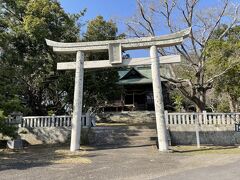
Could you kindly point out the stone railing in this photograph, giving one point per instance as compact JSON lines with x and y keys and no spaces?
{"x":204,"y":128}
{"x":50,"y":121}
{"x":203,"y":118}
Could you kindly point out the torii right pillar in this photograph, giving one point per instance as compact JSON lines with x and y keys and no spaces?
{"x":158,"y":101}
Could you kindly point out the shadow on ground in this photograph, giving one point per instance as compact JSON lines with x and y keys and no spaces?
{"x":105,"y":147}
{"x":46,"y":155}
{"x":41,"y":155}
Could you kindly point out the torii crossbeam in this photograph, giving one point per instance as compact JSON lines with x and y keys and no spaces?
{"x":115,"y":48}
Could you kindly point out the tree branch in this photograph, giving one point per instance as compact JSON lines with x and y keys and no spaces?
{"x":151,"y":30}
{"x":232,"y":24}
{"x":217,"y":21}
{"x":222,"y":73}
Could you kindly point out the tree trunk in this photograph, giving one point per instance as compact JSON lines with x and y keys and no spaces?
{"x":198,"y":98}
{"x":200,"y":107}
{"x":200,"y":101}
{"x":233,"y":103}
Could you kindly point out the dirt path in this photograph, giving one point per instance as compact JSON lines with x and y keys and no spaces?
{"x":56,"y":162}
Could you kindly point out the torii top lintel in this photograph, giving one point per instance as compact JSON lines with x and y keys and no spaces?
{"x":126,"y":44}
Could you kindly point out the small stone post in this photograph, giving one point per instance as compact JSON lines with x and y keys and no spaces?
{"x":53,"y":123}
{"x":21,"y":122}
{"x":166,"y":117}
{"x":77,"y":103}
{"x":205,"y":120}
{"x":88,"y":118}
{"x":158,"y":101}
{"x":197,"y":130}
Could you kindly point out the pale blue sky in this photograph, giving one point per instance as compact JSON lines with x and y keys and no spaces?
{"x":110,"y":9}
{"x":118,"y":10}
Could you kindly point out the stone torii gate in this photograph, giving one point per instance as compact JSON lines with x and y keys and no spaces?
{"x":114,"y":48}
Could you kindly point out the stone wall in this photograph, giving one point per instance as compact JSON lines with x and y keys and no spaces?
{"x":50,"y":135}
{"x":184,"y":134}
{"x":180,"y":135}
{"x":209,"y":134}
{"x":45,"y":135}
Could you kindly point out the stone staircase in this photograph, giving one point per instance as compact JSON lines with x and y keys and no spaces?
{"x":132,"y":135}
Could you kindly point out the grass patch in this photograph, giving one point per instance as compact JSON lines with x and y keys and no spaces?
{"x":67,"y":157}
{"x":44,"y":154}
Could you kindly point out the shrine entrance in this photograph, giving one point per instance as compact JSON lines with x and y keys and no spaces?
{"x":115,"y":48}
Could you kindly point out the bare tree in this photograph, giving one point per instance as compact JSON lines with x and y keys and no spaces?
{"x":168,"y":16}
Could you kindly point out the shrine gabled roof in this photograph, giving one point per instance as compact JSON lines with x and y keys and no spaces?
{"x":145,"y":78}
{"x":122,"y":73}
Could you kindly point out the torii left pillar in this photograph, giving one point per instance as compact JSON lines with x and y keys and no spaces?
{"x":77,"y":102}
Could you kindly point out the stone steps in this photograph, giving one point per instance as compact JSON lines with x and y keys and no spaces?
{"x":129,"y":127}
{"x":127,"y":133}
{"x":123,"y":135}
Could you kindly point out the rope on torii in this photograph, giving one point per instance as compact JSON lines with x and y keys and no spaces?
{"x":115,"y":48}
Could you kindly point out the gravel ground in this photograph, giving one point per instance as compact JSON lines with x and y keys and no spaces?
{"x":56,"y":162}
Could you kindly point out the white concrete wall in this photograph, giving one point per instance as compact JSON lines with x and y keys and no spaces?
{"x":209,"y":134}
{"x":45,"y":135}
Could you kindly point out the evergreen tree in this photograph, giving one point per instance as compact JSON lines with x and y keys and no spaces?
{"x":28,"y":76}
{"x":100,"y":85}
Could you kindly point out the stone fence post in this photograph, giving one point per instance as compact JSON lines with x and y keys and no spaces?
{"x":53,"y":121}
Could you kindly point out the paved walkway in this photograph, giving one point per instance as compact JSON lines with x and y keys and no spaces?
{"x":117,"y":163}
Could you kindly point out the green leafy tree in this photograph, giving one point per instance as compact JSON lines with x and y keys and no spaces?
{"x":224,"y":56}
{"x":27,"y":66}
{"x":100,"y":85}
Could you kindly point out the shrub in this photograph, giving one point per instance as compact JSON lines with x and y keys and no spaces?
{"x":7,"y":129}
